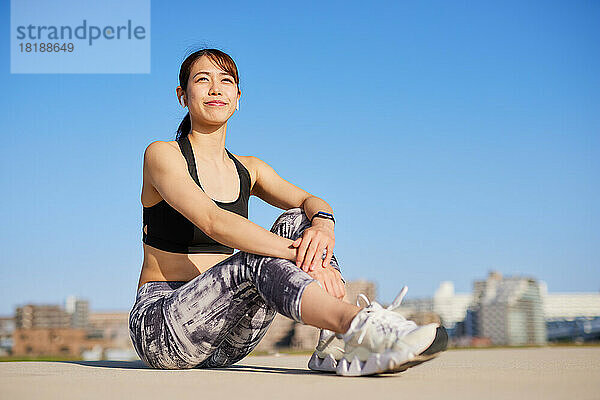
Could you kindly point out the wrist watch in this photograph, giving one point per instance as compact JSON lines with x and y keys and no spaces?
{"x":322,"y":214}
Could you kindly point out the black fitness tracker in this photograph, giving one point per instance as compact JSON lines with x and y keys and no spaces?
{"x":323,"y":214}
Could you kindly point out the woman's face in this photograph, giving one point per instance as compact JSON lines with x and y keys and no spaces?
{"x":208,"y":83}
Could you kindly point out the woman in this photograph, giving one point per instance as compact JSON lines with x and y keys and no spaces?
{"x":200,"y":305}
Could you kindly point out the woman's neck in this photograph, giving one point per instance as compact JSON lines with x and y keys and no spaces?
{"x":209,"y":145}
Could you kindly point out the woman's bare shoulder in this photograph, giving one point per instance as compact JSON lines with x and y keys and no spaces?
{"x":160,"y":143}
{"x":163,"y":153}
{"x":160,"y":146}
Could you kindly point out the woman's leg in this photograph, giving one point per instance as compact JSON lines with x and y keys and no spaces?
{"x":318,"y":308}
{"x":244,"y":336}
{"x":202,"y":314}
{"x":252,"y":327}
{"x":151,"y":339}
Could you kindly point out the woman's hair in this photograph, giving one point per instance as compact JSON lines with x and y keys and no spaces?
{"x":223,"y":60}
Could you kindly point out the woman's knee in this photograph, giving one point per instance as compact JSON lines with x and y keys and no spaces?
{"x":291,"y":223}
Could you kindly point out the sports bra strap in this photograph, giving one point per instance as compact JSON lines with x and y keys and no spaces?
{"x":186,"y":149}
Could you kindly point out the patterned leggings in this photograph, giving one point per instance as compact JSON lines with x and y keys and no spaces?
{"x":219,"y":317}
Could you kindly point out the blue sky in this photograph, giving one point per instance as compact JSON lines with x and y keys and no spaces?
{"x":449,"y":138}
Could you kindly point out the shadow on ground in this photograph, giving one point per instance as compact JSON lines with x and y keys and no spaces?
{"x":138,"y":364}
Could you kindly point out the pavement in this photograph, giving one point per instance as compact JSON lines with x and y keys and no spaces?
{"x":518,"y":373}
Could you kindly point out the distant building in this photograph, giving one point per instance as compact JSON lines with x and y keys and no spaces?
{"x":51,"y":341}
{"x":451,"y":307}
{"x":41,"y":316}
{"x":409,"y":305}
{"x":571,"y":316}
{"x":78,"y":309}
{"x":113,"y":327}
{"x":107,"y":333}
{"x":7,"y":328}
{"x":447,"y":307}
{"x":42,"y":330}
{"x":558,"y":306}
{"x":509,"y":310}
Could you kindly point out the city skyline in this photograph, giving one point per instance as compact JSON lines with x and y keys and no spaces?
{"x":442,"y":285}
{"x":501,"y":310}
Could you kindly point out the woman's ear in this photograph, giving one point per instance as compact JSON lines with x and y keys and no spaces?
{"x":182,"y":101}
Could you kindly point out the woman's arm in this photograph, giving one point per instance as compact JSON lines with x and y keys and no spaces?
{"x":312,"y":205}
{"x":276,"y":191}
{"x":168,"y":174}
{"x":308,"y":257}
{"x":236,"y":231}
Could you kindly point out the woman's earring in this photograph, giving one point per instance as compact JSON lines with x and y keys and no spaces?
{"x":237,"y":107}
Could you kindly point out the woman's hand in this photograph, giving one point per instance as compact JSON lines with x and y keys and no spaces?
{"x":312,"y":243}
{"x":331,"y":280}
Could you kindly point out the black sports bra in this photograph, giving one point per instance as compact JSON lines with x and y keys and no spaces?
{"x":169,"y":230}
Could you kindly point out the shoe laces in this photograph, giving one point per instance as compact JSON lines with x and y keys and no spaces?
{"x":395,"y":304}
{"x":391,"y":324}
{"x":325,"y":338}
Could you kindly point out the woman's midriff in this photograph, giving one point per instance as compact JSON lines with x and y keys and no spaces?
{"x":159,"y":265}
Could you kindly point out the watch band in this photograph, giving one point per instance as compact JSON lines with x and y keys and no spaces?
{"x":323,"y":214}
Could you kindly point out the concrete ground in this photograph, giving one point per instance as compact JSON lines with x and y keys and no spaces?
{"x":525,"y":373}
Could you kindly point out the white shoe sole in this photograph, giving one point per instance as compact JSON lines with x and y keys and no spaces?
{"x":412,"y":362}
{"x":391,"y":360}
{"x":327,"y":364}
{"x":377,"y":363}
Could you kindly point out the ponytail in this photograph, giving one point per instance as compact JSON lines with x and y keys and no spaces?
{"x":184,"y":127}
